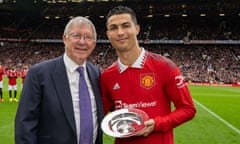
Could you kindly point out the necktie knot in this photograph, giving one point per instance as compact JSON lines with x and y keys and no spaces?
{"x":80,"y":70}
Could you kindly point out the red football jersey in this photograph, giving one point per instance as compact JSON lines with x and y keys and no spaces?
{"x":12,"y":77}
{"x":152,"y":84}
{"x":2,"y":72}
{"x":23,"y":74}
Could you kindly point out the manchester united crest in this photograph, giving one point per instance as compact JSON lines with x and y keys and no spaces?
{"x":147,"y":80}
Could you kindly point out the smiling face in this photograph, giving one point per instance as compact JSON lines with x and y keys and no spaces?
{"x":122,"y":32}
{"x":79,"y":42}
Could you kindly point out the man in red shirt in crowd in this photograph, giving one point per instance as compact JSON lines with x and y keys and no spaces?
{"x":23,"y":74}
{"x":12,"y":84}
{"x":2,"y":73}
{"x":143,"y":80}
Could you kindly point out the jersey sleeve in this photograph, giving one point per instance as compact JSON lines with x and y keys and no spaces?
{"x":176,"y":89}
{"x":106,"y":99}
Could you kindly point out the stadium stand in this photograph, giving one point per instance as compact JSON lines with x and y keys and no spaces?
{"x":207,"y":49}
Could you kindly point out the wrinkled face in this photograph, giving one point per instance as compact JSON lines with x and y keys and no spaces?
{"x":79,"y":42}
{"x":122,"y":32}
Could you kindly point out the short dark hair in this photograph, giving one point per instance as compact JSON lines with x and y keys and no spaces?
{"x":122,"y":10}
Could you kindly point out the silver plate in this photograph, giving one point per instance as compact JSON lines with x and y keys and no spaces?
{"x":124,"y":122}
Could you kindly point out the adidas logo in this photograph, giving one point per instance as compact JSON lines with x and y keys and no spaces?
{"x":116,"y":86}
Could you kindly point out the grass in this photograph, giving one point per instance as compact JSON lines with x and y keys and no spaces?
{"x":216,"y":122}
{"x":223,"y":102}
{"x":7,"y":114}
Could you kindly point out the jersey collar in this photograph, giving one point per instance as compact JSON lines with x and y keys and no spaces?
{"x":137,"y":64}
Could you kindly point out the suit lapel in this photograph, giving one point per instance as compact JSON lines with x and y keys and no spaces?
{"x":93,"y":75}
{"x":62,"y":87}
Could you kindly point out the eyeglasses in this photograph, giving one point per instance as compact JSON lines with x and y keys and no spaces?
{"x":78,"y":36}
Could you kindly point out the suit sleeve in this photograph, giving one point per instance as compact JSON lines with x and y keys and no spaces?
{"x":27,"y":116}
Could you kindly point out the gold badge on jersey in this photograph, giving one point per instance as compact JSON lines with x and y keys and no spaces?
{"x":147,"y":80}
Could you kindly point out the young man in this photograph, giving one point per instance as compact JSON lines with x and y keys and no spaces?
{"x":50,"y":106}
{"x":23,"y":74}
{"x":143,"y":80}
{"x":12,"y":75}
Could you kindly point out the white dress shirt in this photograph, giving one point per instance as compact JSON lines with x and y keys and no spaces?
{"x":73,"y":77}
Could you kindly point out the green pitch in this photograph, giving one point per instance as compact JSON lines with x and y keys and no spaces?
{"x":216,"y":122}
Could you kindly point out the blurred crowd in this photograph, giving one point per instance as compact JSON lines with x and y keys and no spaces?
{"x":217,"y":63}
{"x":198,"y":63}
{"x":200,"y":28}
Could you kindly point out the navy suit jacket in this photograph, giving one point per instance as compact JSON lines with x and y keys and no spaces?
{"x":45,"y":113}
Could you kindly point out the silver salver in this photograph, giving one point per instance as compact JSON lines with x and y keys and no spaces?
{"x":124,"y":122}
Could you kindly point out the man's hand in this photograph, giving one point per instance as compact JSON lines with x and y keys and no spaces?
{"x":149,"y":128}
